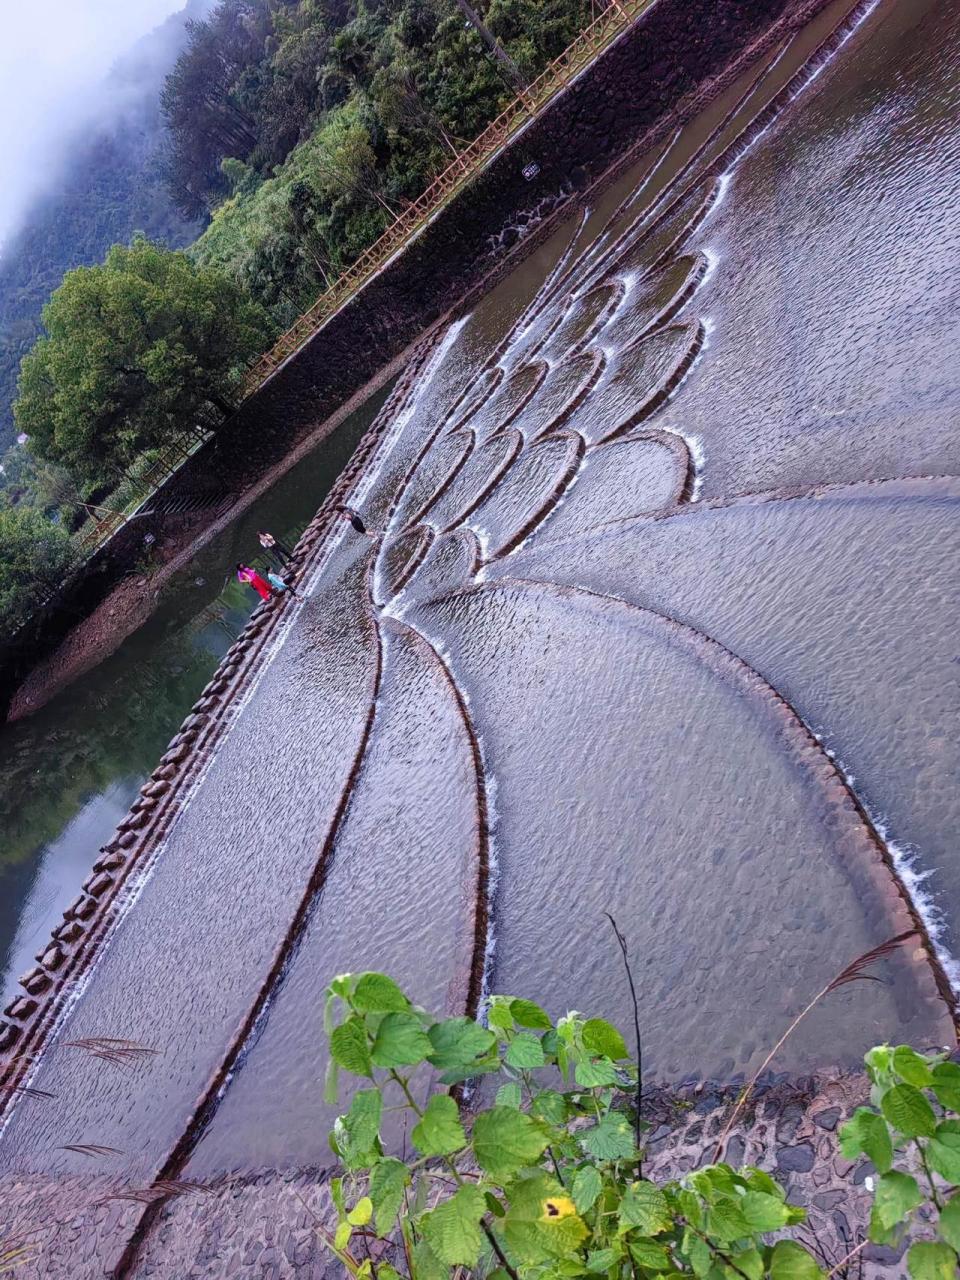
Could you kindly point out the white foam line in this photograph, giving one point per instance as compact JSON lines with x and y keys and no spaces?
{"x":370,"y":474}
{"x":713,"y":259}
{"x":543,"y":296}
{"x":811,"y":74}
{"x":723,"y":186}
{"x":913,"y":880}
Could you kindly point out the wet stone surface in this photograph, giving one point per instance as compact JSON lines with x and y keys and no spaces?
{"x":674,"y":639}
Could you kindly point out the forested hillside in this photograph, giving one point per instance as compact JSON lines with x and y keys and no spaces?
{"x":305,"y":127}
{"x":114,"y":185}
{"x":296,"y":130}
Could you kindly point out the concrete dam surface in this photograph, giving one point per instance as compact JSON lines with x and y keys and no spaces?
{"x":658,"y":617}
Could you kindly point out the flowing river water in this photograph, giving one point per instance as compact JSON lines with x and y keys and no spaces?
{"x":660,"y":620}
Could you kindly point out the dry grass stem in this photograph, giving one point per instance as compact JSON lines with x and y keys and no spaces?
{"x":843,"y":1261}
{"x":853,"y":972}
{"x":26,"y":1090}
{"x":119,"y":1053}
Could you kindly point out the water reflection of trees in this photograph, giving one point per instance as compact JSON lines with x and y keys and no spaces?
{"x":109,"y":727}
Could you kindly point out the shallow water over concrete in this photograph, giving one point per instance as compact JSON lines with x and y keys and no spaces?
{"x":656,"y":622}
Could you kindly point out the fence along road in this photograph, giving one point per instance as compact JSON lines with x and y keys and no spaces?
{"x":465,"y":166}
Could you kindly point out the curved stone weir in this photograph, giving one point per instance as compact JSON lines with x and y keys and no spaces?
{"x":840,"y":605}
{"x":433,"y":474}
{"x":669,"y":165}
{"x":475,"y":481}
{"x":699,"y":851}
{"x":42,"y":1194}
{"x":419,"y":802}
{"x":233,"y":844}
{"x":475,"y":397}
{"x":564,"y":389}
{"x":501,"y":409}
{"x":530,"y":488}
{"x":808,"y":303}
{"x":674,"y":217}
{"x":453,"y":559}
{"x":637,"y":473}
{"x":638,"y":382}
{"x":581,"y":321}
{"x":398,"y":559}
{"x":654,"y":300}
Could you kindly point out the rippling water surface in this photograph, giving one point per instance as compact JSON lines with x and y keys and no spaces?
{"x":657,"y":621}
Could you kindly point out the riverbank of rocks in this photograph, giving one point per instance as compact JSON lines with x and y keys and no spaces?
{"x":262,"y":1225}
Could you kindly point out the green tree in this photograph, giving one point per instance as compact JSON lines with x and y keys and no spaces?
{"x":133,"y":350}
{"x":35,"y":554}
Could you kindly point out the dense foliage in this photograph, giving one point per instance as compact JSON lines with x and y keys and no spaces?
{"x":111,"y":184}
{"x":133,"y":351}
{"x":547,"y":1182}
{"x":35,"y":554}
{"x":306,"y":127}
{"x":303,"y":127}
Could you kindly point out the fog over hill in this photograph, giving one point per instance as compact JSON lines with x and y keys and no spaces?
{"x":80,"y":144}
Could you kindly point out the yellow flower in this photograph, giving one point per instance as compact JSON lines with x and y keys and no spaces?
{"x":556,"y":1207}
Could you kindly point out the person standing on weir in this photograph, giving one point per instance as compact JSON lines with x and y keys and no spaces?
{"x":279,"y":550}
{"x":253,"y":579}
{"x":355,"y":520}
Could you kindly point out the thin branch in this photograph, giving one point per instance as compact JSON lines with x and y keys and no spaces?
{"x":715,"y":1248}
{"x":853,"y":972}
{"x":926,"y":1169}
{"x":843,"y":1261}
{"x":346,"y":1258}
{"x":636,"y":1025}
{"x":27,"y":1090}
{"x":495,"y":1243}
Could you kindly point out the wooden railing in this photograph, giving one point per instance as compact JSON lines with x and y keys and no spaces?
{"x":466,"y":165}
{"x":95,"y":531}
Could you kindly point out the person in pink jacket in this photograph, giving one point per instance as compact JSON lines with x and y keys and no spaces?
{"x":253,"y":579}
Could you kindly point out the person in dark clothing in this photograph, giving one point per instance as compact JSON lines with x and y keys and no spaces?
{"x":280,"y":552}
{"x":354,"y":518}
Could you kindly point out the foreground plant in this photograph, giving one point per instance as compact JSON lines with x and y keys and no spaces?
{"x":546,"y":1182}
{"x":909,"y":1124}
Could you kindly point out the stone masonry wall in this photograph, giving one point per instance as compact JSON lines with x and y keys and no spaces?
{"x":262,"y":1225}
